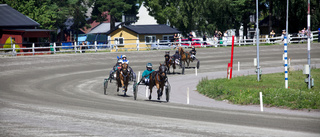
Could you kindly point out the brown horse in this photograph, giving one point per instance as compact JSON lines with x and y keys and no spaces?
{"x":158,"y":79}
{"x":123,"y":77}
{"x":169,"y":61}
{"x":185,"y":56}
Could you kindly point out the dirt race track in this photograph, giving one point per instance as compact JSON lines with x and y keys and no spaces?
{"x":62,"y":95}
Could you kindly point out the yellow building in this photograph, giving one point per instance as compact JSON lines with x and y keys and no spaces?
{"x":139,"y":37}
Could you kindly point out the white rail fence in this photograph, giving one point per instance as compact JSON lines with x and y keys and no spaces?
{"x":95,"y":47}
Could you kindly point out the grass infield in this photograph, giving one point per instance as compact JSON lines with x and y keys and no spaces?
{"x":245,"y":90}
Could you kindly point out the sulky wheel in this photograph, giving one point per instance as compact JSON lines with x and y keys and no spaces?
{"x":198,"y":64}
{"x":105,"y":85}
{"x":135,"y":90}
{"x":167,"y":88}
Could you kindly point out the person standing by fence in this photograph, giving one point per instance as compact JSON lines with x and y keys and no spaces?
{"x":272,"y":34}
{"x":204,"y":39}
{"x":225,"y":42}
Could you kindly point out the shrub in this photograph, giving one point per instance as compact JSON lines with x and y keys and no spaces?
{"x":8,"y":45}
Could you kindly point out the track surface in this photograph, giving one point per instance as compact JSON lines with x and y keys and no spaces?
{"x":62,"y":95}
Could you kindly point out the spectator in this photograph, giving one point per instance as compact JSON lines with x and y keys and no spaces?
{"x":204,"y":39}
{"x":272,"y":34}
{"x":304,"y":32}
{"x":190,"y":37}
{"x":83,"y":43}
{"x":283,"y":34}
{"x":220,"y":37}
{"x":176,"y":38}
{"x":216,"y":34}
{"x":225,"y":38}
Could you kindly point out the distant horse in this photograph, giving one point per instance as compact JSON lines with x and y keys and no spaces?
{"x":123,"y":77}
{"x":185,"y":56}
{"x":158,"y":79}
{"x":169,"y":61}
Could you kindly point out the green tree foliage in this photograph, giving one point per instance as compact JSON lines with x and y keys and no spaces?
{"x":77,"y":10}
{"x":115,"y":9}
{"x":203,"y":16}
{"x":48,"y":13}
{"x":9,"y":44}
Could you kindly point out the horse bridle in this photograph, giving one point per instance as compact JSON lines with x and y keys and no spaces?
{"x":162,"y":69}
{"x":124,"y":75}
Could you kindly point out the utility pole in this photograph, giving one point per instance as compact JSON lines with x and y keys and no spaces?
{"x":309,"y":34}
{"x":257,"y":32}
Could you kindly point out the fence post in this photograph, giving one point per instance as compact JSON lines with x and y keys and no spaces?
{"x":14,"y":50}
{"x":137,"y":42}
{"x":245,"y":40}
{"x":75,"y":47}
{"x":33,"y":48}
{"x":54,"y":48}
{"x":158,"y":44}
{"x":189,"y":43}
{"x":95,"y":45}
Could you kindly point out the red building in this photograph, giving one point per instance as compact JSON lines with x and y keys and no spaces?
{"x":21,"y":29}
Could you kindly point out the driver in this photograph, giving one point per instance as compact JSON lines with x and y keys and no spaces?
{"x":116,"y":67}
{"x":193,"y":52}
{"x":125,"y":60}
{"x":147,"y":72}
{"x":177,"y":57}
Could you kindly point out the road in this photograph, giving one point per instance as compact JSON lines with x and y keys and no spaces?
{"x":62,"y":95}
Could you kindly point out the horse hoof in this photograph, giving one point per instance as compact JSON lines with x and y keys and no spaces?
{"x":149,"y":97}
{"x":158,"y":98}
{"x":125,"y":94}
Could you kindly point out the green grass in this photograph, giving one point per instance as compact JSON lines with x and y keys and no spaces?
{"x":245,"y":90}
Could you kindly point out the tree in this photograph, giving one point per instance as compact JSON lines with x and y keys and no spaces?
{"x":115,"y":9}
{"x":49,"y":14}
{"x":77,"y":10}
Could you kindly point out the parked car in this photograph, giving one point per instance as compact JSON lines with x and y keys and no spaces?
{"x":195,"y":42}
{"x":163,"y":44}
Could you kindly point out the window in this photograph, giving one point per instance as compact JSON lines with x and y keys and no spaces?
{"x":167,"y":37}
{"x":119,"y":41}
{"x":150,"y":39}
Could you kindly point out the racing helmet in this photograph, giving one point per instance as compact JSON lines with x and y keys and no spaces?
{"x":149,"y":65}
{"x":120,"y":61}
{"x":193,"y":47}
{"x":177,"y":51}
{"x":124,"y":56}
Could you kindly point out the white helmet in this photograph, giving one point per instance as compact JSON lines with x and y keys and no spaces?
{"x":124,"y":56}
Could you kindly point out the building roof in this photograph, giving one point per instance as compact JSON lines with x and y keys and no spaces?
{"x":102,"y":28}
{"x":144,"y":17}
{"x":11,"y":18}
{"x":152,"y":29}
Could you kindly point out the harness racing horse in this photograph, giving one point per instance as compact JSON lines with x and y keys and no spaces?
{"x":123,"y":77}
{"x":169,"y":61}
{"x":158,"y":79}
{"x":185,"y":56}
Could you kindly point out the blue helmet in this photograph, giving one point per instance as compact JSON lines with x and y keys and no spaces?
{"x":177,"y":51}
{"x":149,"y":65}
